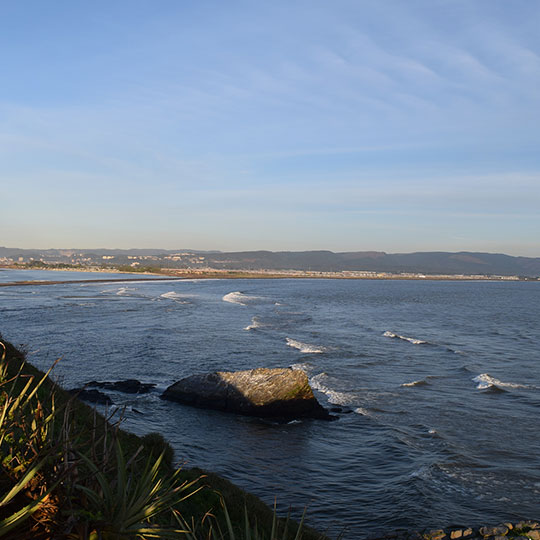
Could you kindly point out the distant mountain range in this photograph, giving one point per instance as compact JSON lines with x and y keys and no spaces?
{"x":324,"y":261}
{"x":428,"y":262}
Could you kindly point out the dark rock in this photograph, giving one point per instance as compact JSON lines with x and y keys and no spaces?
{"x":92,"y":396}
{"x":341,"y":410}
{"x":129,"y":386}
{"x":274,"y":393}
{"x":493,"y":531}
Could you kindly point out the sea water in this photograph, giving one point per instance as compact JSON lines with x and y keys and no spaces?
{"x":439,"y":381}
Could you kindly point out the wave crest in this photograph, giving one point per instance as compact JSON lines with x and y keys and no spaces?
{"x":486,"y":382}
{"x":177,"y":297}
{"x":301,"y":367}
{"x":255,"y":323}
{"x":414,"y":341}
{"x":305,"y":347}
{"x":238,"y":297}
{"x":123,"y":290}
{"x":421,"y":382}
{"x":334,"y":397}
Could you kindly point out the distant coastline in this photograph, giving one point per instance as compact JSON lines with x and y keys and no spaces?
{"x":164,"y":274}
{"x":312,"y":264}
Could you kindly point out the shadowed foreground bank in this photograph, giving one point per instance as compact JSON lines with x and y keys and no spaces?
{"x":67,"y":472}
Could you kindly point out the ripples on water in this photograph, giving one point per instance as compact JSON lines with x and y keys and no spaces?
{"x":442,"y":381}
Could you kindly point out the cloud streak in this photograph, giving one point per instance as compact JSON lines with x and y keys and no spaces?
{"x":362,"y":114}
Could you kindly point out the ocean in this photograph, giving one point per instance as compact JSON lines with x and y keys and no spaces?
{"x":439,"y":381}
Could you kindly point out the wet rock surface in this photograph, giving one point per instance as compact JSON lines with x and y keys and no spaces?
{"x":276,"y":393}
{"x":92,"y":396}
{"x":128,"y":386}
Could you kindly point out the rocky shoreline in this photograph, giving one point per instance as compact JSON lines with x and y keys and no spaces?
{"x":522,"y":530}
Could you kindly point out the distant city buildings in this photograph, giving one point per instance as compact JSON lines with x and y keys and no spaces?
{"x":251,"y":263}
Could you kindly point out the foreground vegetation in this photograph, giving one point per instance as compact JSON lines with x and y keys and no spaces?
{"x":68,"y":473}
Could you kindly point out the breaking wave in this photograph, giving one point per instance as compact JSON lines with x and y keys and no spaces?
{"x":177,"y":297}
{"x":305,"y":347}
{"x":421,"y":382}
{"x":414,"y":341}
{"x":240,"y":298}
{"x":170,"y":294}
{"x":486,"y":382}
{"x":255,"y":323}
{"x":122,"y":290}
{"x":301,"y":367}
{"x":334,"y":397}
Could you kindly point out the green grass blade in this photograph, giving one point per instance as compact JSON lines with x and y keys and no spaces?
{"x":299,"y":531}
{"x":22,"y":483}
{"x":19,"y":517}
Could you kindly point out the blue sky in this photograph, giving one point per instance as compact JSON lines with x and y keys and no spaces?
{"x":286,"y":125}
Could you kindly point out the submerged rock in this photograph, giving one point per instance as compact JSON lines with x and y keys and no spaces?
{"x":277,"y":393}
{"x":92,"y":396}
{"x":129,"y":386}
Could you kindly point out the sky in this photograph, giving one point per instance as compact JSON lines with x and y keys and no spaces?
{"x":356,"y":125}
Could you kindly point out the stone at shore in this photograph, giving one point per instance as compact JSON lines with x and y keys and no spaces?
{"x":271,"y":393}
{"x":525,"y":530}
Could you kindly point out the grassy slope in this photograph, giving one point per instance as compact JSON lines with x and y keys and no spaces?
{"x":207,"y":500}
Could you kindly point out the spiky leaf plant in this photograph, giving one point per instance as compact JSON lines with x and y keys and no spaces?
{"x":24,"y":448}
{"x":128,"y":501}
{"x":216,"y":530}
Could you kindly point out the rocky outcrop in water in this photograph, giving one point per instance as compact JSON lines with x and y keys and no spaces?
{"x":275,"y":393}
{"x":129,"y":386}
{"x":92,"y":396}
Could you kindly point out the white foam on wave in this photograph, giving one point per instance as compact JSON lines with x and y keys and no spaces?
{"x":301,"y":366}
{"x":123,"y":290}
{"x":255,"y":323}
{"x":334,"y":397}
{"x":485,"y":381}
{"x":170,"y":294}
{"x":240,"y":298}
{"x":414,"y":341}
{"x":362,"y":411}
{"x":305,"y":347}
{"x":177,"y":297}
{"x":421,"y":382}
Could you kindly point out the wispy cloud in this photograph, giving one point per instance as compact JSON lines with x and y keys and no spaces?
{"x":354,"y":114}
